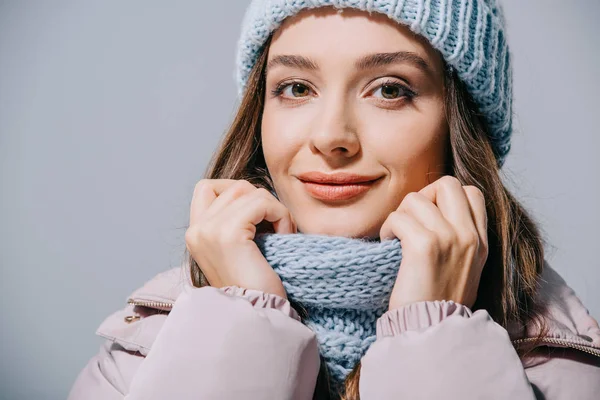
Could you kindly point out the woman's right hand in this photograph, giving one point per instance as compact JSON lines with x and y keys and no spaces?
{"x":223,"y":218}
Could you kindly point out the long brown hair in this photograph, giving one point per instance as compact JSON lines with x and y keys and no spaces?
{"x":515,"y":258}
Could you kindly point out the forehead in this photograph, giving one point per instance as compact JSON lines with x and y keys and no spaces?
{"x":363,"y":63}
{"x":325,"y":33}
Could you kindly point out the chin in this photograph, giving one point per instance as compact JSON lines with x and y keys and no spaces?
{"x":338,"y":227}
{"x":362,"y":219}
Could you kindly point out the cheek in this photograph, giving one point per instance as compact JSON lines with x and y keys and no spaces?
{"x":281,"y":134}
{"x":411,"y":143}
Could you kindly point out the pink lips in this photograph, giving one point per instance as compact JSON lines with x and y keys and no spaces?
{"x":336,"y":187}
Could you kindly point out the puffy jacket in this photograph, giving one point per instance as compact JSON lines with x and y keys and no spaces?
{"x":174,"y":341}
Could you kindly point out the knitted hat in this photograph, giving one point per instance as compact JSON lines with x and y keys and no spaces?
{"x":468,"y":33}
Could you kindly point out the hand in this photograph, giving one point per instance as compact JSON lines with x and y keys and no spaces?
{"x":443,"y":233}
{"x":223,"y":218}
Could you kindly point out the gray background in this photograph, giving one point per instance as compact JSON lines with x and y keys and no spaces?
{"x":109,"y":112}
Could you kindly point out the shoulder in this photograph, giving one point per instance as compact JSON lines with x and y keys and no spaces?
{"x":563,"y":373}
{"x":566,"y":362}
{"x":135,"y":326}
{"x":562,"y":312}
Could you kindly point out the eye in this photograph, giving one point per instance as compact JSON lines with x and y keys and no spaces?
{"x":392,"y":90}
{"x":291,"y":89}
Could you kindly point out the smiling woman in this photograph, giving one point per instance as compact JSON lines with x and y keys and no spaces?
{"x":373,"y":109}
{"x":358,"y":124}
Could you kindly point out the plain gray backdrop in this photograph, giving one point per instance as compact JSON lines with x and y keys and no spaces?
{"x":110,"y":110}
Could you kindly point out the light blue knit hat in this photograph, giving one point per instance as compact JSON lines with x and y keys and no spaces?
{"x":468,"y":33}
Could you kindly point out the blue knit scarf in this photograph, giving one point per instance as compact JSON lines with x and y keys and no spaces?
{"x":344,"y":284}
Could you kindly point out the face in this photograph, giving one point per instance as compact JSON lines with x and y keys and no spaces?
{"x":353,"y":119}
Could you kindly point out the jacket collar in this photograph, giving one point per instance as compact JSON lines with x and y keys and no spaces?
{"x":568,"y":322}
{"x":161,"y":291}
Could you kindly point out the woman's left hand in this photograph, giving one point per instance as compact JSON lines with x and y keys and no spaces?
{"x":443,"y":233}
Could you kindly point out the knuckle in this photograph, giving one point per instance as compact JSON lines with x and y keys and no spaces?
{"x":242,"y":184}
{"x":262,"y":192}
{"x":411,"y":196}
{"x":409,"y":199}
{"x":245,"y":183}
{"x":449,"y":181}
{"x":261,"y":197}
{"x":484,"y":246}
{"x":200,"y":184}
{"x":191,"y":236}
{"x":395,"y":218}
{"x":240,"y":187}
{"x":484,"y":250}
{"x":469,"y":237}
{"x":260,"y":203}
{"x":474,"y":190}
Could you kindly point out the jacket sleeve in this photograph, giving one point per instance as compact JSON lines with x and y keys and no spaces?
{"x":441,"y":349}
{"x":215,"y":343}
{"x":106,"y":375}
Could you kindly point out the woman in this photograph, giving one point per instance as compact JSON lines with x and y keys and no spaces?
{"x":358,"y":123}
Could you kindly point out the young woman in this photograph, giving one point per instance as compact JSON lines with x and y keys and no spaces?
{"x":370,"y":134}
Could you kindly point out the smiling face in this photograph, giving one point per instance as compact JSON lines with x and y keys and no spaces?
{"x":351,"y":93}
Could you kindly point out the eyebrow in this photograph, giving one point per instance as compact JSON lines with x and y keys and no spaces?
{"x":370,"y":61}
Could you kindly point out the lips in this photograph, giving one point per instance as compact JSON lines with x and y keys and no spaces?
{"x":336,"y":187}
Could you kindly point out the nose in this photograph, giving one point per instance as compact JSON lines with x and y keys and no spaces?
{"x":334,"y":134}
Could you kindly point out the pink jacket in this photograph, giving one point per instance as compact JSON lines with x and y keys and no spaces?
{"x":174,"y":341}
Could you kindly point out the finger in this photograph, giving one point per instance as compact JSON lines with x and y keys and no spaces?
{"x":227,"y":192}
{"x":476,"y":201}
{"x":203,"y":196}
{"x":402,"y":226}
{"x":448,"y":194}
{"x":260,"y":205}
{"x":220,"y":185}
{"x":427,"y":213}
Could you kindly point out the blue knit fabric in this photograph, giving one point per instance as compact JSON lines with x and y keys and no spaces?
{"x":469,"y":34}
{"x":344,"y":284}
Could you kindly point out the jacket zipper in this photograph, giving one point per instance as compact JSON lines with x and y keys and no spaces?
{"x":582,"y":346}
{"x":150,"y":304}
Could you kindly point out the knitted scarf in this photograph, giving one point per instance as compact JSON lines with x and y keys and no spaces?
{"x":344,"y":284}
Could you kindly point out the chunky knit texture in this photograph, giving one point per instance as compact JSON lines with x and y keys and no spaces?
{"x":344,"y":284}
{"x":469,"y":34}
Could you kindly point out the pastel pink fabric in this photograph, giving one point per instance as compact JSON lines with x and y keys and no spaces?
{"x":236,"y":343}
